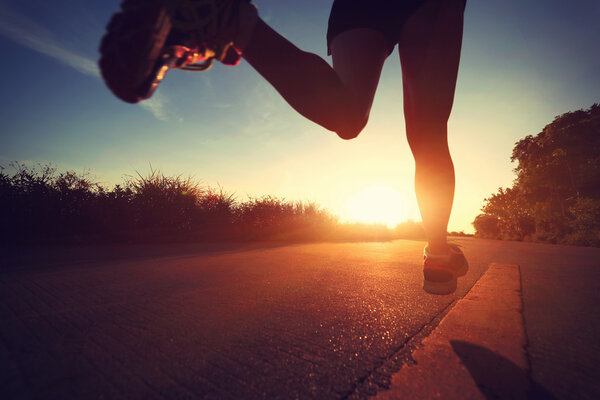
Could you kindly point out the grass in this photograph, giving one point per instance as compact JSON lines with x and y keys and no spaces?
{"x":41,"y":205}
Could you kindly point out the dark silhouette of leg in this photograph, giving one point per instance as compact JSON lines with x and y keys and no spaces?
{"x":337,"y":98}
{"x":429,"y":53}
{"x":340,"y":98}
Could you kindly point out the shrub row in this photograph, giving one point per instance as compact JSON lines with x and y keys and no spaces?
{"x":41,"y":205}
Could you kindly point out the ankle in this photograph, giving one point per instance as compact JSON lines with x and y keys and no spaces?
{"x":247,"y":19}
{"x":438,"y":248}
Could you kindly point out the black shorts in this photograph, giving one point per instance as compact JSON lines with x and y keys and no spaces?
{"x":385,"y":16}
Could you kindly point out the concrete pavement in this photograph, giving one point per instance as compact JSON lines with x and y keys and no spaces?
{"x":561,"y":304}
{"x":302,"y":321}
{"x":552,"y":354}
{"x":478,"y":349}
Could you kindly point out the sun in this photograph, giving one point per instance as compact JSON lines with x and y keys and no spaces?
{"x":376,"y":205}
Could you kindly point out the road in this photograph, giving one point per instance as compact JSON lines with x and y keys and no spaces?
{"x":297,"y":321}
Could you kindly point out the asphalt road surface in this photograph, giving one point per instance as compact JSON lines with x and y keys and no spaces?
{"x":296,"y":321}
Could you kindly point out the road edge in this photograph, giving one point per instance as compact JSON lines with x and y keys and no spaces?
{"x":478,"y":348}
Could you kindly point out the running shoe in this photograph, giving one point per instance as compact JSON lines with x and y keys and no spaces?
{"x":148,"y":37}
{"x":441,"y":272}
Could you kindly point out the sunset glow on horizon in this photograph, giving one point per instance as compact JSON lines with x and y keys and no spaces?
{"x":522,"y":64}
{"x":376,"y":205}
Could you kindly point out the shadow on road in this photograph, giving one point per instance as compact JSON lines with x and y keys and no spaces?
{"x":496,"y":376}
{"x":41,"y":257}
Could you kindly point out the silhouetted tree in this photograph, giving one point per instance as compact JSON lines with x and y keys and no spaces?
{"x":556,"y":195}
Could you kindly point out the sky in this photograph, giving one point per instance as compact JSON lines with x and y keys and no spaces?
{"x":522,"y":64}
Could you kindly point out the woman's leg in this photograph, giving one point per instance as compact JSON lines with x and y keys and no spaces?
{"x":429,"y":53}
{"x":337,"y":98}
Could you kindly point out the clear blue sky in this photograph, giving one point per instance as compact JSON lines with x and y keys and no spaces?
{"x":523,"y":63}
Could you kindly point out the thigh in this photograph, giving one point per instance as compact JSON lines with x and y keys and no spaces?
{"x":429,"y":47}
{"x":358,"y":56}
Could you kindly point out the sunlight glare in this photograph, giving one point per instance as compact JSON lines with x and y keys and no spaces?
{"x":376,"y":205}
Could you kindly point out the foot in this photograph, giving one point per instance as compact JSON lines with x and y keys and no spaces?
{"x":149,"y":37}
{"x":441,"y":271}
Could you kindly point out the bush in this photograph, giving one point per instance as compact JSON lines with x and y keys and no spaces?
{"x":40,"y":205}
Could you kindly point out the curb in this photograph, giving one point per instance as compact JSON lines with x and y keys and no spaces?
{"x":477,"y":351}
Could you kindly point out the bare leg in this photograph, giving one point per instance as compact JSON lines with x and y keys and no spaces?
{"x":337,"y":98}
{"x":429,"y":54}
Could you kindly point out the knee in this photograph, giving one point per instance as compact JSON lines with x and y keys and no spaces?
{"x":348,"y":134}
{"x":428,"y":142}
{"x":350,"y":129}
{"x":425,"y":115}
{"x":430,"y":151}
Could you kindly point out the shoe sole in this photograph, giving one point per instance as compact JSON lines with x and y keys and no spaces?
{"x":129,"y":60}
{"x":134,"y":59}
{"x":447,"y":287}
